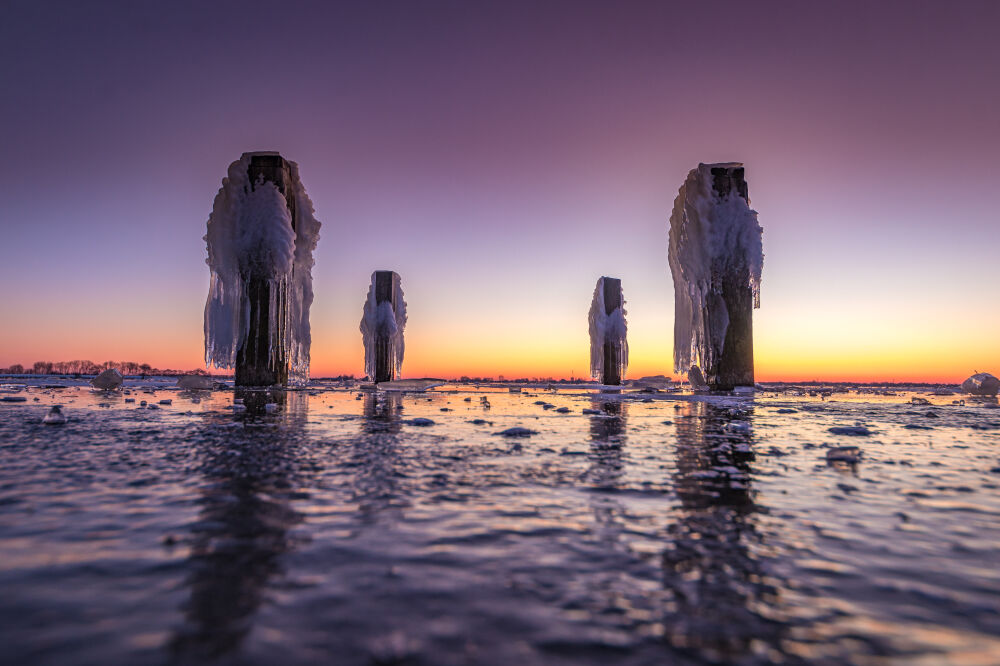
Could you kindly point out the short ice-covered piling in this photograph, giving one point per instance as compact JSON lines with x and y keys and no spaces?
{"x":261,"y":236}
{"x":608,"y":343}
{"x":716,"y":257}
{"x":382,"y":324}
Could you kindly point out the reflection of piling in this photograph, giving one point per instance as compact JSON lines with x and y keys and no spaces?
{"x":385,"y":353}
{"x":257,"y":364}
{"x":611,"y":374}
{"x":734,"y":366}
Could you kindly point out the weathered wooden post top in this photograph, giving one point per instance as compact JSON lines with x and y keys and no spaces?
{"x":258,"y":361}
{"x":716,"y":259}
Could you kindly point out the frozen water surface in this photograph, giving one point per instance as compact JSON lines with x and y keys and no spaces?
{"x":653,"y":529}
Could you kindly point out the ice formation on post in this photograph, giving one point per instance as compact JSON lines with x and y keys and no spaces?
{"x":608,"y":328}
{"x":259,"y":235}
{"x":715,"y":253}
{"x":382,"y":322}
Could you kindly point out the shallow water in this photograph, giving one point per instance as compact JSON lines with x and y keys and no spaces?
{"x":662,"y":529}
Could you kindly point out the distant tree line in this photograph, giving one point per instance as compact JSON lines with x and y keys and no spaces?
{"x":91,"y":368}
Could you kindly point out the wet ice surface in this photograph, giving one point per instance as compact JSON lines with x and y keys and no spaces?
{"x":337,"y":527}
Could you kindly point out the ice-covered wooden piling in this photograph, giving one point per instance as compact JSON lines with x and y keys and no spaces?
{"x":382,"y":323}
{"x":608,"y":344}
{"x":612,"y":347}
{"x":716,"y":259}
{"x":257,"y":363}
{"x":735,"y":363}
{"x":384,"y":370}
{"x":261,"y":236}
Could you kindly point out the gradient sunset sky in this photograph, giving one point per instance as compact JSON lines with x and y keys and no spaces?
{"x":502,"y":156}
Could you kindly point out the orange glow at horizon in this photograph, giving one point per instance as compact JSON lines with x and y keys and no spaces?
{"x":790,"y":345}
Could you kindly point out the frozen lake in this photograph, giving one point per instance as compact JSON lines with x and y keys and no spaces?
{"x":655,"y":529}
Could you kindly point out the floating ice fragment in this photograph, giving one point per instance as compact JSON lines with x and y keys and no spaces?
{"x":591,"y":411}
{"x":166,"y":401}
{"x":517,"y":431}
{"x":195,"y":383}
{"x":55,"y":416}
{"x":919,"y":401}
{"x":13,"y":398}
{"x":696,"y":379}
{"x":850,"y":431}
{"x":981,"y":383}
{"x":420,"y":421}
{"x":849,"y":454}
{"x":415,"y":385}
{"x":108,"y":380}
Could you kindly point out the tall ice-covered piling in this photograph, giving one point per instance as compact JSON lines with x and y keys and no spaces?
{"x":382,"y":323}
{"x":261,"y":236}
{"x":608,"y":331}
{"x":716,"y":257}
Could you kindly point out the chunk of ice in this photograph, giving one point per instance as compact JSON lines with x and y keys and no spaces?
{"x":981,"y":383}
{"x":55,"y":416}
{"x":517,"y":431}
{"x":850,"y":431}
{"x":108,"y":380}
{"x":195,"y":383}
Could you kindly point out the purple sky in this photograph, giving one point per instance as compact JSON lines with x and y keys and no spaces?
{"x":502,"y":156}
